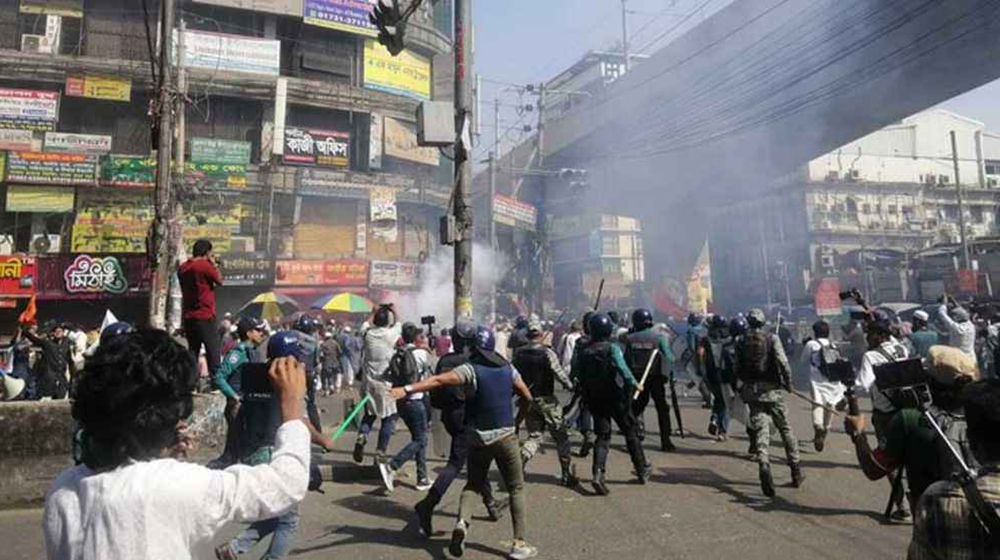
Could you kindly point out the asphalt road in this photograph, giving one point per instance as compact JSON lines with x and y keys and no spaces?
{"x":703,"y":501}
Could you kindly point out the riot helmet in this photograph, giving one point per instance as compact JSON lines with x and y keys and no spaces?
{"x":601,"y":326}
{"x":642,"y":319}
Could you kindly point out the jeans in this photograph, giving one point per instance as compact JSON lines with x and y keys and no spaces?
{"x":414,"y":415}
{"x":331,"y":378}
{"x":623,"y":417}
{"x":384,"y":432}
{"x":506,"y":452}
{"x":283,"y":528}
{"x":719,"y":414}
{"x":200,"y":332}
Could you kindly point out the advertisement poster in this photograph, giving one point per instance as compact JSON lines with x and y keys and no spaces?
{"x":51,"y":169}
{"x":17,"y":140}
{"x":392,"y":274}
{"x":827,"y":299}
{"x":401,"y":142}
{"x":18,"y":274}
{"x":35,"y":198}
{"x":99,"y":87}
{"x":247,"y":270}
{"x":406,"y":74}
{"x":317,"y":147}
{"x":111,"y":221}
{"x":66,"y":142}
{"x":343,"y":15}
{"x":128,"y":171}
{"x":28,"y":109}
{"x":92,"y":276}
{"x":219,"y":52}
{"x":212,"y":150}
{"x":514,"y":213}
{"x":347,"y":272}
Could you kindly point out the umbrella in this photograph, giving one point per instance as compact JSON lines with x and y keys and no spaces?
{"x":269,"y":306}
{"x":344,"y":303}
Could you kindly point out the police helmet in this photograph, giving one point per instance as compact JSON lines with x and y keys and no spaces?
{"x":694,"y":319}
{"x":306,"y":324}
{"x":285,"y":343}
{"x":642,"y":319}
{"x":738,"y":326}
{"x":717,"y":323}
{"x":521,"y":322}
{"x":116,"y":329}
{"x":601,"y":326}
{"x":756,"y":318}
{"x":586,"y":322}
{"x":485,"y":339}
{"x":463,"y":334}
{"x":247,"y":324}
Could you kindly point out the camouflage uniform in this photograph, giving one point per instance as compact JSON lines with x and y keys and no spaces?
{"x":546,"y":412}
{"x":767,"y":401}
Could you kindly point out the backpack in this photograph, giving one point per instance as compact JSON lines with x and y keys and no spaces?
{"x":832,"y":365}
{"x":403,"y":368}
{"x":754,"y":355}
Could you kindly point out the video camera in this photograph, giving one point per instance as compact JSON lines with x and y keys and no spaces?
{"x":905,"y":383}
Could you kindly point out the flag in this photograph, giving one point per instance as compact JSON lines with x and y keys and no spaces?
{"x":109,"y":319}
{"x":30,"y":314}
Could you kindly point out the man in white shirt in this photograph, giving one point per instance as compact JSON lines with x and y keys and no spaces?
{"x":569,"y":346}
{"x":378,"y":347}
{"x":130,"y":499}
{"x":824,"y":391}
{"x":961,"y":330}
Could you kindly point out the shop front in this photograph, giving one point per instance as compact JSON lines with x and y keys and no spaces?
{"x":79,"y":288}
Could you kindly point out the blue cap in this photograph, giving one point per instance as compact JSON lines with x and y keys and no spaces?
{"x":485,"y":339}
{"x":285,"y":343}
{"x":116,"y":329}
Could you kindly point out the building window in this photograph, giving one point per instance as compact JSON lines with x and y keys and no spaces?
{"x":609,"y":222}
{"x":609,"y":266}
{"x":977,"y":214}
{"x":609,"y":245}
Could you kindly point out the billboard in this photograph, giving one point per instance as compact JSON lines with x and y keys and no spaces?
{"x":392,"y":274}
{"x":406,"y":74}
{"x":281,"y":7}
{"x":326,"y":148}
{"x":231,"y":53}
{"x":343,"y":15}
{"x":37,"y":198}
{"x":213,"y":150}
{"x":401,"y":142}
{"x":77,"y":143}
{"x":29,"y":109}
{"x":51,"y":169}
{"x":17,"y":140}
{"x":128,"y":171}
{"x":345,"y":272}
{"x":514,"y":213}
{"x":247,"y":269}
{"x":99,"y":87}
{"x":18,"y":275}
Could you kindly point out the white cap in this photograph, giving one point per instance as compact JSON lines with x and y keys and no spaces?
{"x":922,"y":315}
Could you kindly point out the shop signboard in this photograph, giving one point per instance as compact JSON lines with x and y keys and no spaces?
{"x":216,"y":176}
{"x":219,"y":52}
{"x":77,"y":143}
{"x":17,"y":140}
{"x":345,"y":272}
{"x":401,"y":142}
{"x":514,"y":213}
{"x":407,"y":74}
{"x":111,"y":221}
{"x":281,"y":7}
{"x":92,"y":276}
{"x":95,"y":275}
{"x":28,"y":109}
{"x":247,"y":269}
{"x":328,"y":182}
{"x":128,"y":171}
{"x":214,"y":150}
{"x":827,"y":299}
{"x":109,"y":88}
{"x":38,"y":198}
{"x":324,"y":148}
{"x":18,"y":275}
{"x":51,"y":169}
{"x":343,"y":15}
{"x":65,"y":8}
{"x":392,"y":274}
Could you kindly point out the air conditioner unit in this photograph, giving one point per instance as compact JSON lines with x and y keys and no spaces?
{"x":6,"y":244}
{"x":943,"y":179}
{"x":45,"y":243}
{"x":35,"y":44}
{"x":854,"y":175}
{"x":991,"y":182}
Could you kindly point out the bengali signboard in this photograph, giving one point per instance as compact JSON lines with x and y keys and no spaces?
{"x":92,"y":276}
{"x":51,"y":169}
{"x":219,"y":52}
{"x":406,"y":74}
{"x":99,"y":87}
{"x":392,"y":274}
{"x":77,"y":143}
{"x":95,"y":275}
{"x":281,"y":7}
{"x":213,"y":150}
{"x":401,"y":142}
{"x":827,"y":299}
{"x":18,"y":274}
{"x":316,"y":147}
{"x":330,"y":182}
{"x":29,"y":109}
{"x":248,"y":269}
{"x":36,"y":198}
{"x":65,"y":8}
{"x":347,"y":272}
{"x":17,"y":140}
{"x":128,"y":171}
{"x":111,"y":221}
{"x":343,"y":15}
{"x":514,"y":213}
{"x":215,"y":176}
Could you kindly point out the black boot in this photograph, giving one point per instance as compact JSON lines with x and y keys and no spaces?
{"x":425,"y":510}
{"x":586,"y":446}
{"x":359,"y":449}
{"x":766,"y":480}
{"x":599,"y":486}
{"x":568,"y":478}
{"x":819,"y":440}
{"x":798,"y":477}
{"x":644,"y":473}
{"x":667,"y":446}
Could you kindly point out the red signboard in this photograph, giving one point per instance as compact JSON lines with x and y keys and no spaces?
{"x":18,"y":275}
{"x":347,"y":272}
{"x":967,"y":283}
{"x":827,"y":299}
{"x":92,"y":276}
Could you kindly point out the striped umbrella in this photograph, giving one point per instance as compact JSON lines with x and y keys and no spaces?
{"x":269,"y":306}
{"x":344,"y":303}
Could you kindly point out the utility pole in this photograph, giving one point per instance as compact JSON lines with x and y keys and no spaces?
{"x":492,"y":195}
{"x":961,"y":204}
{"x":176,"y":226}
{"x":541,"y":125}
{"x":463,"y":166}
{"x":625,"y":34}
{"x":159,"y":242}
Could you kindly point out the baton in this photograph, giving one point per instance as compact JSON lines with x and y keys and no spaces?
{"x":645,"y":374}
{"x":347,"y":421}
{"x":828,"y":408}
{"x":600,"y":290}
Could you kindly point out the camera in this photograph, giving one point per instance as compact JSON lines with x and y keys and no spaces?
{"x":852,"y":293}
{"x":428,"y":320}
{"x":905,"y":383}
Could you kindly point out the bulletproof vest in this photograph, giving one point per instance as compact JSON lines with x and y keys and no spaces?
{"x":755,"y":359}
{"x":490,"y":408}
{"x":449,"y":396}
{"x":598,"y":374}
{"x":260,"y":413}
{"x":639,"y":348}
{"x":310,"y":352}
{"x":532,"y":362}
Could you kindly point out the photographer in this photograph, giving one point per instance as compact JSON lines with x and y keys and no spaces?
{"x":130,"y":498}
{"x":199,"y":277}
{"x":909,"y":439}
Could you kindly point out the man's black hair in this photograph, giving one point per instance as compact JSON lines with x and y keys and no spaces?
{"x":982,"y":416}
{"x":201,"y":248}
{"x":130,"y":396}
{"x":410,"y":333}
{"x":382,"y":316}
{"x":821,"y":329}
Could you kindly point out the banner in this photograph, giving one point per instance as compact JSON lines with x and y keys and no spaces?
{"x":220,"y":235}
{"x":16,"y":140}
{"x":827,"y":299}
{"x":99,"y":87}
{"x":128,"y":171}
{"x":514,"y":213}
{"x":406,"y":74}
{"x":394,"y":274}
{"x":218,"y":52}
{"x":33,"y":198}
{"x":401,"y":142}
{"x":65,"y":8}
{"x":968,"y":283}
{"x":348,"y":272}
{"x":29,"y":109}
{"x":699,"y":284}
{"x":51,"y":169}
{"x":77,"y":143}
{"x":212,"y":150}
{"x":215,"y":176}
{"x":343,"y":15}
{"x":111,"y":221}
{"x":247,"y":270}
{"x":281,"y":7}
{"x":316,"y":147}
{"x":18,"y":275}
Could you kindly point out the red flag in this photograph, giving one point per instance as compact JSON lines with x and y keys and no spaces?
{"x":30,"y":313}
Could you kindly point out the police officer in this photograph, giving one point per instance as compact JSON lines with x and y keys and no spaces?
{"x":640,"y":345}
{"x":308,"y":326}
{"x":227,"y":378}
{"x":608,"y":386}
{"x":540,"y":369}
{"x":762,"y":367}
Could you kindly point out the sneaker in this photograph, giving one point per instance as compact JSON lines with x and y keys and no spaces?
{"x":424,"y":513}
{"x":457,"y":545}
{"x":713,"y":428}
{"x":766,"y":480}
{"x":359,"y":450}
{"x":522,"y":551}
{"x":599,"y":485}
{"x":424,"y":484}
{"x":388,"y":476}
{"x":225,"y":552}
{"x":901,"y":516}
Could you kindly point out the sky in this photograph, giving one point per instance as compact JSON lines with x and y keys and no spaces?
{"x":530,"y":41}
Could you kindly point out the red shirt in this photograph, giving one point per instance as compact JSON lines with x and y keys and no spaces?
{"x":198,"y":278}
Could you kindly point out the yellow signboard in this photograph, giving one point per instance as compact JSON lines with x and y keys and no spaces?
{"x":99,"y":87}
{"x":34,"y":198}
{"x":407,"y":74}
{"x":401,"y":142}
{"x":111,"y":221}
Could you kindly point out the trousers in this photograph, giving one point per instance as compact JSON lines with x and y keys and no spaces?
{"x":507,"y":455}
{"x":283,"y":529}
{"x":546,"y":414}
{"x":656,"y":389}
{"x":623,"y":418}
{"x":458,"y":455}
{"x":203,"y":332}
{"x":766,"y":404}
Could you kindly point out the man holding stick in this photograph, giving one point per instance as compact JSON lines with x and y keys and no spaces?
{"x":648,"y":351}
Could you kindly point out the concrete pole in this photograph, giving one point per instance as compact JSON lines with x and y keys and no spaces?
{"x":961,"y":203}
{"x":980,"y":163}
{"x":625,"y":35}
{"x":176,"y":230}
{"x":541,"y":125}
{"x":159,"y":244}
{"x":463,"y":165}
